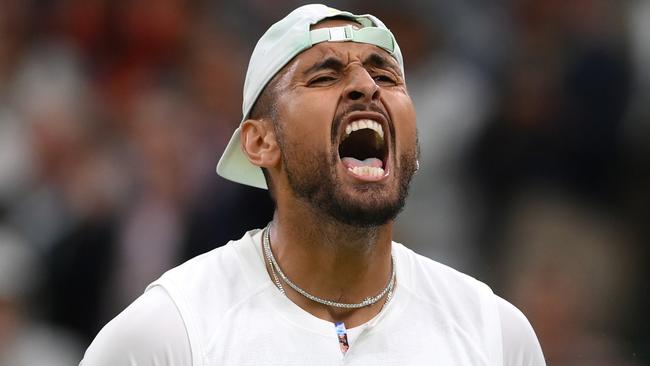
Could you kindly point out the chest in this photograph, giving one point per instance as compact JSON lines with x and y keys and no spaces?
{"x":415,"y":337}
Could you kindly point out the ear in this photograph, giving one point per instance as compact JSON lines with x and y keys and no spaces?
{"x":259,"y":143}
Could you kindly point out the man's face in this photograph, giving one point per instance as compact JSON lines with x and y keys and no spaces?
{"x":346,"y":127}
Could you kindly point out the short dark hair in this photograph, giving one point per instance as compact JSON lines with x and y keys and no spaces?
{"x":265,"y":106}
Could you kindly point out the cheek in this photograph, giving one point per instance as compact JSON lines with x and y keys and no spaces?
{"x":307,"y":117}
{"x":401,"y":110}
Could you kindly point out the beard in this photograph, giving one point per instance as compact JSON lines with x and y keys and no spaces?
{"x":314,"y":178}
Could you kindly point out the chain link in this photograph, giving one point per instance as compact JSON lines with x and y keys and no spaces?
{"x":275,"y":267}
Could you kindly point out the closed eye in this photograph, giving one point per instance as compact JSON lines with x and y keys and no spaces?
{"x":384,"y":80}
{"x":322,"y":80}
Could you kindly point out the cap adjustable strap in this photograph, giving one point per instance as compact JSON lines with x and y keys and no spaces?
{"x":372,"y":35}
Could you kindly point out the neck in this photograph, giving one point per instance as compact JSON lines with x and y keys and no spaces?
{"x":332,"y":260}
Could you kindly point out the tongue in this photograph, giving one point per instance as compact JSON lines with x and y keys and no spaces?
{"x":371,"y":162}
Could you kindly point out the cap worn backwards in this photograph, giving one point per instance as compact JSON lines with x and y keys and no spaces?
{"x":279,"y":45}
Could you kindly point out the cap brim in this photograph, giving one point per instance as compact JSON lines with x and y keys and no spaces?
{"x":234,"y":164}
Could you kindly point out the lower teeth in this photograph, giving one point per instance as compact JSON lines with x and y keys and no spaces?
{"x":367,"y":171}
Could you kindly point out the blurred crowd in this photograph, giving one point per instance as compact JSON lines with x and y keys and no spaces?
{"x":535,"y":158}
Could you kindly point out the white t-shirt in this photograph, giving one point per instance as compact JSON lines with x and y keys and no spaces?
{"x":221,"y":308}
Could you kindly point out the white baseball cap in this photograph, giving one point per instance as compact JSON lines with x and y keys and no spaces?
{"x":279,"y":45}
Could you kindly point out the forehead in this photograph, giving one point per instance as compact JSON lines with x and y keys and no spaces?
{"x":346,"y":52}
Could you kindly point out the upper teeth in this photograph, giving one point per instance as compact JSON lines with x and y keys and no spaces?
{"x":364,"y":123}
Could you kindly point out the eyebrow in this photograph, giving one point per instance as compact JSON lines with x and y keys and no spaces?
{"x":381,"y":62}
{"x":330,"y":63}
{"x":334,"y":63}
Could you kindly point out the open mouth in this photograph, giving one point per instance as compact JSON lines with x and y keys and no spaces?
{"x":363,"y":149}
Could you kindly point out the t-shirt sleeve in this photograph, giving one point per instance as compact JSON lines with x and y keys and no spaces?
{"x":520,"y":344}
{"x":149,"y":332}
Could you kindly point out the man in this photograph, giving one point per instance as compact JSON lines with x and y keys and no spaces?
{"x":330,"y":129}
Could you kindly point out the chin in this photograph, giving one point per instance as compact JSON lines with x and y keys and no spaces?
{"x":349,"y":201}
{"x":365,"y":210}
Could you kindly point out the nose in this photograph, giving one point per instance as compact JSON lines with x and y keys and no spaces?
{"x":361,"y":86}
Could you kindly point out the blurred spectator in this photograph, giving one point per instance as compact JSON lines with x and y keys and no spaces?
{"x":15,"y":160}
{"x":569,"y":266}
{"x":637,"y":165}
{"x":153,"y":220}
{"x":23,"y":340}
{"x":78,"y":188}
{"x":559,"y":118}
{"x":13,"y":33}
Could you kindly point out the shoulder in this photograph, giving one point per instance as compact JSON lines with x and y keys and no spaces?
{"x":207,"y":288}
{"x":472,"y":306}
{"x":216,"y":279}
{"x":465,"y":304}
{"x":438,"y":283}
{"x":148,"y":332}
{"x":173,"y":319}
{"x":221,"y":262}
{"x":520,"y":344}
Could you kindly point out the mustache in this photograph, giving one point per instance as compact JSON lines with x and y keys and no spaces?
{"x":356,"y":107}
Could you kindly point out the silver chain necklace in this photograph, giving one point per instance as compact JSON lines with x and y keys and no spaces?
{"x":275,"y":267}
